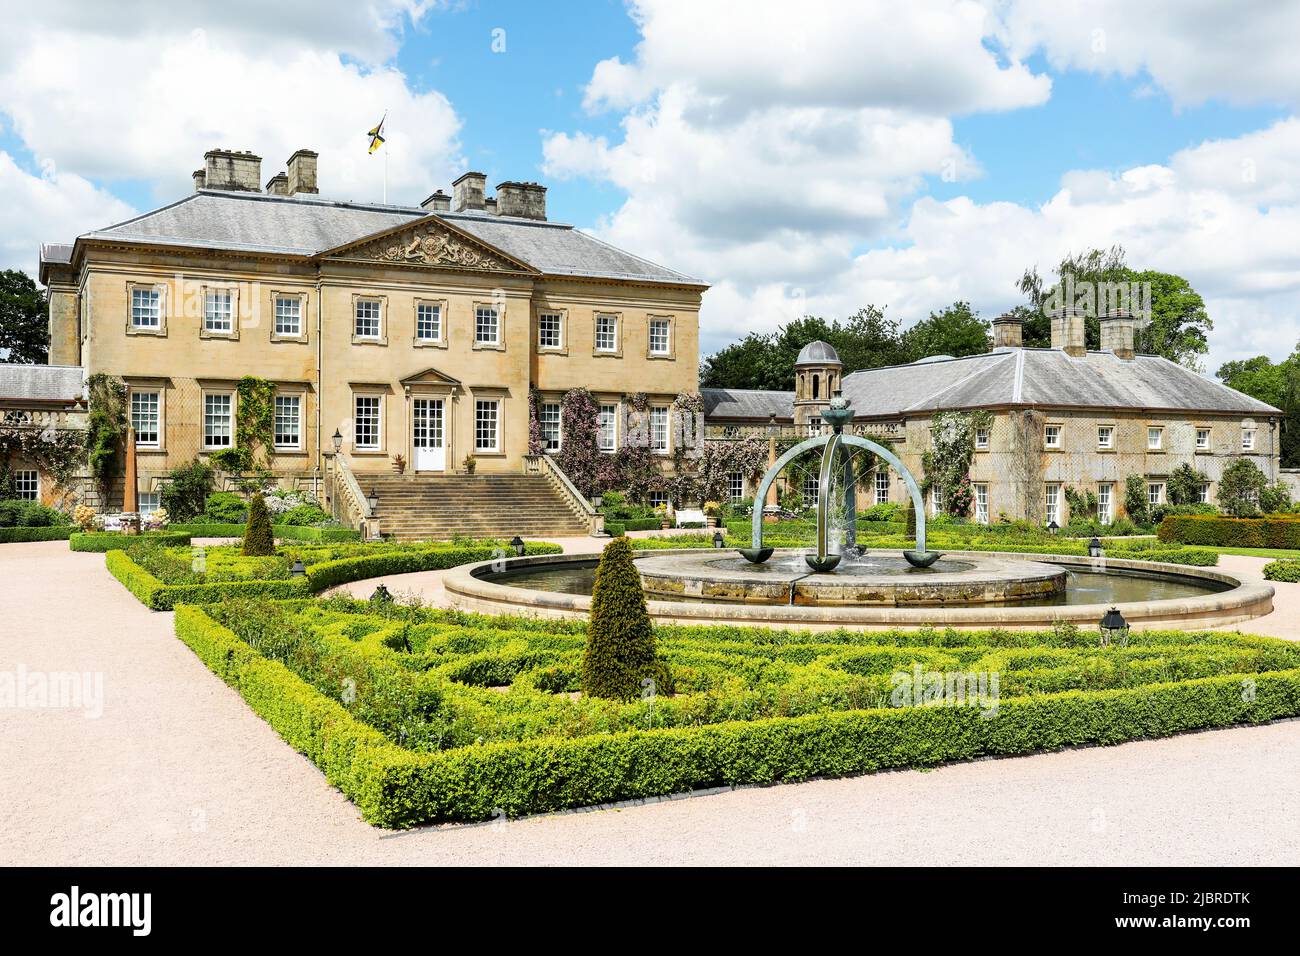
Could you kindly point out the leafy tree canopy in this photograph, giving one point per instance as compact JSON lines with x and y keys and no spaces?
{"x":1275,"y":383}
{"x":24,"y":328}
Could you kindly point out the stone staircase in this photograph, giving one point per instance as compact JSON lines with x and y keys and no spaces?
{"x":418,"y":507}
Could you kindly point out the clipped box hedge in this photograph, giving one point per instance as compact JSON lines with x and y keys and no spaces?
{"x":1278,"y":531}
{"x":103,"y":541}
{"x":395,"y":787}
{"x":286,"y":532}
{"x":1282,"y":571}
{"x":161,"y":596}
{"x":15,"y":535}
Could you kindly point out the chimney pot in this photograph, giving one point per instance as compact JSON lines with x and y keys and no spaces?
{"x":467,"y":192}
{"x":522,"y":200}
{"x":200,"y":179}
{"x":438,"y":202}
{"x":1068,"y":331}
{"x":278,"y":185}
{"x":302,"y":172}
{"x":1008,"y":332}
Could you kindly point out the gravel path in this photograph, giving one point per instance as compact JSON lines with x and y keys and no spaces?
{"x":177,"y":770}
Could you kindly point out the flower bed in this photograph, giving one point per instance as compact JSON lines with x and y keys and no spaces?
{"x":421,"y":716}
{"x":163,"y":577}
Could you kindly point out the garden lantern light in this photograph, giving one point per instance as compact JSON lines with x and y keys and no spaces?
{"x":1113,"y":627}
{"x":338,"y":441}
{"x":298,"y":570}
{"x":518,"y":544}
{"x":1094,"y":548}
{"x":372,"y":499}
{"x":1053,"y":527}
{"x":718,"y":540}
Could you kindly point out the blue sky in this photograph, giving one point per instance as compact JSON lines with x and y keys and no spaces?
{"x":796,"y":164}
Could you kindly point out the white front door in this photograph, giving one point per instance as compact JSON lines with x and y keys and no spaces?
{"x":430,"y":449}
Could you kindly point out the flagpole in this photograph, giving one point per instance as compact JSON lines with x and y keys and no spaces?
{"x":385,"y":177}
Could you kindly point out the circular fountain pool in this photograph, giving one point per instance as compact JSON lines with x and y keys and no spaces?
{"x":964,"y":589}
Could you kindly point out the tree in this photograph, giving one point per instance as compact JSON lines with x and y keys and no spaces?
{"x":620,"y":649}
{"x":1136,"y":503}
{"x":24,"y":323}
{"x":1184,"y":485}
{"x":259,"y":540}
{"x":1240,"y":487}
{"x":185,"y":495}
{"x":1278,"y":385}
{"x":955,"y":331}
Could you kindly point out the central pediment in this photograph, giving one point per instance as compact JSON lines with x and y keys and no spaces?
{"x":429,"y":242}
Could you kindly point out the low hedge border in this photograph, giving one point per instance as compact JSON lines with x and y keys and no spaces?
{"x":393,"y":787}
{"x":15,"y":535}
{"x":160,"y":596}
{"x":287,"y":532}
{"x":1282,"y":531}
{"x":1282,"y":571}
{"x":103,"y":541}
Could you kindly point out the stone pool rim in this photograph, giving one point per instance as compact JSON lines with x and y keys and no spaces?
{"x":468,"y":589}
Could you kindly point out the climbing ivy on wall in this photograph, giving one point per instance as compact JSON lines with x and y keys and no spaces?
{"x":106,"y":426}
{"x":59,"y":452}
{"x":947,"y":461}
{"x":255,"y":421}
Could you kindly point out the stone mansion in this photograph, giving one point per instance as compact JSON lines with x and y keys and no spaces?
{"x":419,"y":332}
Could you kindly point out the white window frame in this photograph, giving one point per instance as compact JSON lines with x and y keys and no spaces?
{"x":27,"y":484}
{"x":736,"y":486}
{"x":543,"y":319}
{"x":1203,"y":492}
{"x":612,"y":330}
{"x":810,"y":488}
{"x":156,"y":394}
{"x":550,"y":420}
{"x":667,"y":325}
{"x":659,"y":421}
{"x":1202,"y":445}
{"x":1105,"y":502}
{"x":607,"y":427}
{"x":1106,"y":437}
{"x":936,"y":501}
{"x":367,"y":303}
{"x":296,"y":398}
{"x":1157,"y":433}
{"x":428,"y":322}
{"x":481,"y":407}
{"x":881,"y":487}
{"x":378,"y":400}
{"x":1051,"y":436}
{"x":278,"y":314}
{"x":148,"y":501}
{"x":981,"y":439}
{"x":158,"y":311}
{"x":1155,"y":493}
{"x":981,"y":502}
{"x":1248,"y":439}
{"x":1051,"y":503}
{"x":208,"y":431}
{"x":484,"y":311}
{"x":220,"y":312}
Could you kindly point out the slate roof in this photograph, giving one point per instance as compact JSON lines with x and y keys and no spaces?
{"x":1042,"y":378}
{"x":746,"y":403}
{"x":42,"y":383}
{"x":306,"y":226}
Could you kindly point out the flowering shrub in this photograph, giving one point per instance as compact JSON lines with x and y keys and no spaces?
{"x":155,"y":520}
{"x":84,"y":517}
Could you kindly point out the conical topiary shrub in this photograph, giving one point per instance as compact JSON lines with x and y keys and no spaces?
{"x":258,"y":538}
{"x":620,"y":649}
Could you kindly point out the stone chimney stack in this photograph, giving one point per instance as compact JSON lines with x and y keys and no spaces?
{"x":278,"y":185}
{"x":1008,"y":332}
{"x":233,"y":170}
{"x":438,"y":202}
{"x":522,"y":200}
{"x":1068,"y":331}
{"x":467,"y":192}
{"x":302,"y":172}
{"x":1117,"y":330}
{"x":200,"y":179}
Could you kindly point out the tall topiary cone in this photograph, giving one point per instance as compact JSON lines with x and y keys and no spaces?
{"x":620,"y":649}
{"x":258,"y":539}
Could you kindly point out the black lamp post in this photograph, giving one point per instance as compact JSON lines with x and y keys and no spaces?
{"x":298,"y":570}
{"x":1113,"y":627}
{"x":338,"y":441}
{"x":1094,"y":548}
{"x":718,"y":540}
{"x":518,"y":544}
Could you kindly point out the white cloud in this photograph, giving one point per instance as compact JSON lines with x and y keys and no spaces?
{"x":141,"y":95}
{"x":34,"y":209}
{"x":1195,"y":50}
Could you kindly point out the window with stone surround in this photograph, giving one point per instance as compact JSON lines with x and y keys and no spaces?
{"x":367,"y":412}
{"x":218,"y":420}
{"x":549,"y":419}
{"x":736,"y":486}
{"x":1105,"y":436}
{"x":607,"y":436}
{"x":1105,"y":499}
{"x":288,"y":421}
{"x":146,"y":418}
{"x":368,"y":319}
{"x":219,"y":311}
{"x":660,"y":337}
{"x":1052,"y":436}
{"x":1155,"y":438}
{"x":550,"y":330}
{"x":487,"y":325}
{"x":288,"y":315}
{"x":1248,"y":439}
{"x":981,"y":503}
{"x":1202,"y":439}
{"x":659,"y":429}
{"x":487,"y":415}
{"x":882,"y":486}
{"x":146,"y":308}
{"x":606,"y":333}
